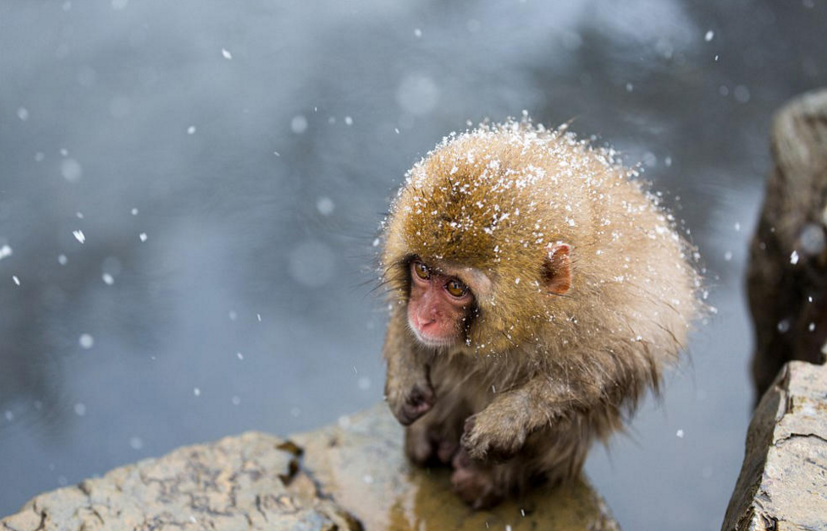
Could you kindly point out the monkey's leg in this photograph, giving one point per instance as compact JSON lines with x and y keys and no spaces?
{"x":557,"y":453}
{"x":551,"y":455}
{"x":479,"y":484}
{"x":407,"y":386}
{"x":429,"y":443}
{"x":434,"y":438}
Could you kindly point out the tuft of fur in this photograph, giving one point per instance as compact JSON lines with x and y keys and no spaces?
{"x":495,"y":199}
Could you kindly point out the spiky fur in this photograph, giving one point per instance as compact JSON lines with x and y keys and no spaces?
{"x":494,"y":199}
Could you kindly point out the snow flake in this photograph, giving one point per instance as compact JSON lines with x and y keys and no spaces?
{"x":86,"y":341}
{"x":71,"y":170}
{"x":298,"y":124}
{"x":741,"y":94}
{"x":325,"y":206}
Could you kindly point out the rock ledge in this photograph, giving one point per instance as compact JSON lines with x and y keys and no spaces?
{"x":783,"y":482}
{"x":351,"y":476}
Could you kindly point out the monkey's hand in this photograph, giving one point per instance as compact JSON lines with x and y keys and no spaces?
{"x":496,"y":433}
{"x":409,"y":395}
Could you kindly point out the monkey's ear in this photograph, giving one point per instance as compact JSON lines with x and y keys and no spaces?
{"x":557,"y":268}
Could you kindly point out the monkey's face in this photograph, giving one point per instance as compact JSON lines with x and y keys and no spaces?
{"x":439,"y":305}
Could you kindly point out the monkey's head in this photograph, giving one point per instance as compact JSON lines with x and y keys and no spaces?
{"x":469,"y":245}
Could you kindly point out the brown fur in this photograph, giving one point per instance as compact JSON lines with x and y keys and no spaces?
{"x":540,"y":375}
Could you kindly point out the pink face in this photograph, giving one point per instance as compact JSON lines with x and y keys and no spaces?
{"x":438,"y":306}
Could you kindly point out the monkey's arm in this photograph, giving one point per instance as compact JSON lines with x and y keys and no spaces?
{"x":500,"y":430}
{"x":407,"y":386}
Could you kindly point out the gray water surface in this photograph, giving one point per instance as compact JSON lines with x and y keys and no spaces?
{"x":228,"y":164}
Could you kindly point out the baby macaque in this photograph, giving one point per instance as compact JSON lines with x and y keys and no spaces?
{"x":536,"y":293}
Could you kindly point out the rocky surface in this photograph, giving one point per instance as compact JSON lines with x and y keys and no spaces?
{"x":787,"y":275}
{"x":346,"y":477}
{"x":783,"y":482}
{"x":361,"y":464}
{"x":248,"y":482}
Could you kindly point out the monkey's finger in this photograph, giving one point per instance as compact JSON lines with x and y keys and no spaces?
{"x":418,"y":402}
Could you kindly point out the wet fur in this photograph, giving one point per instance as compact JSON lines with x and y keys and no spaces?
{"x":540,"y":376}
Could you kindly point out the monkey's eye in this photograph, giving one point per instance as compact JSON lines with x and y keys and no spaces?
{"x":421,"y":270}
{"x":456,"y":288}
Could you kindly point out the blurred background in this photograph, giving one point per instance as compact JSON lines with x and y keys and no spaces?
{"x":190,"y":191}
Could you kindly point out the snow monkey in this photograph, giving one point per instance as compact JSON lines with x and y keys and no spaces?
{"x":536,"y":294}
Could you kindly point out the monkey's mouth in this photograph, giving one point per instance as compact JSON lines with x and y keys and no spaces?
{"x":431,"y":341}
